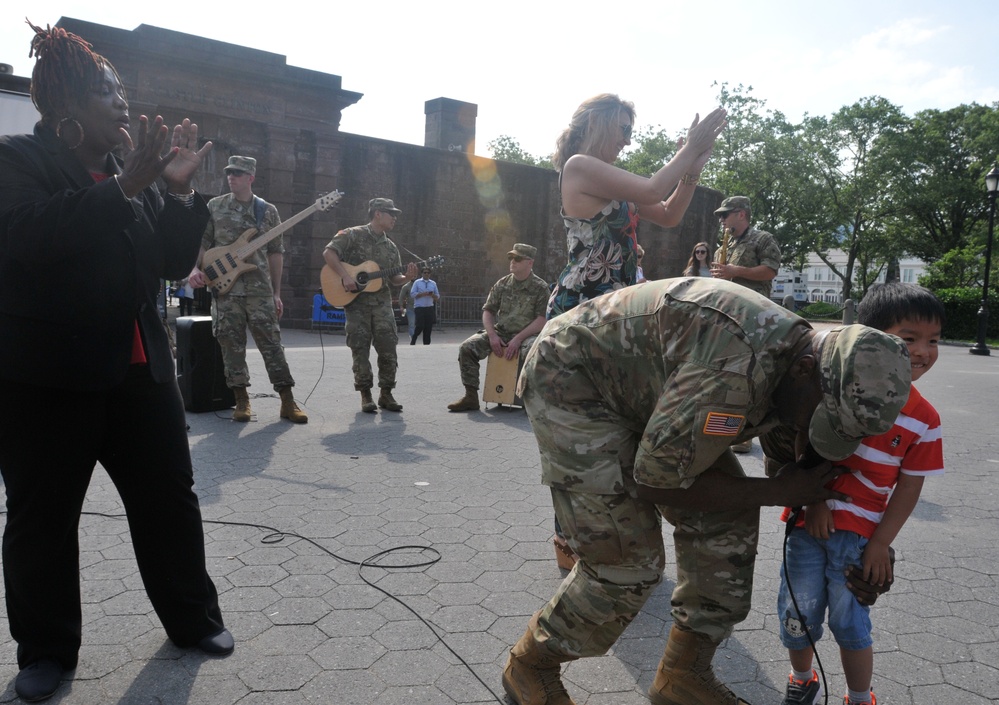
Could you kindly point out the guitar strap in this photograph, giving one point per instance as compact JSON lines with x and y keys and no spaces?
{"x":259,"y":210}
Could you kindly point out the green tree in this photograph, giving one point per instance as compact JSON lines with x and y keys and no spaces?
{"x":506,"y":148}
{"x":855,"y":165}
{"x":654,"y":147}
{"x":942,"y":204}
{"x":771,"y":160}
{"x":961,"y":267}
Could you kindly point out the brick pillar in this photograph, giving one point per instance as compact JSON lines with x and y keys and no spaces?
{"x":450,"y":125}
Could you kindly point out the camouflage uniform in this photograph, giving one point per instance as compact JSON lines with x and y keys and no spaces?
{"x":619,"y":390}
{"x":515,"y":304}
{"x":651,"y":385}
{"x":753,"y":248}
{"x":406,"y":302}
{"x":370,"y":318}
{"x":250,"y":301}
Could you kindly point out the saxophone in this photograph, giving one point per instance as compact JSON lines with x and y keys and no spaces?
{"x":723,"y":253}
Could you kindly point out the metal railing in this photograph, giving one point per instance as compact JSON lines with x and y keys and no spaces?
{"x":460,"y":310}
{"x":452,"y":310}
{"x":847,"y":314}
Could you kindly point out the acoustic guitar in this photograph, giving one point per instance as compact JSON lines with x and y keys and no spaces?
{"x":368,"y":277}
{"x":224,"y":265}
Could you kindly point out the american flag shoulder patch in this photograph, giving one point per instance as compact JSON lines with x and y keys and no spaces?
{"x":718,"y":424}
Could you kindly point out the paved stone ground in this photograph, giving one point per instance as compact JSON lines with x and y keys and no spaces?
{"x":309,"y":630}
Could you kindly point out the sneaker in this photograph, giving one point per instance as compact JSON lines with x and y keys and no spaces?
{"x":808,"y":692}
{"x":874,"y":700}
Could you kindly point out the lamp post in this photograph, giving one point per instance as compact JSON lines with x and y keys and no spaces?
{"x":992,"y":186}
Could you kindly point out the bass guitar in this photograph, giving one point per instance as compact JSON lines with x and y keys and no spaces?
{"x":224,"y":265}
{"x":368,"y":277}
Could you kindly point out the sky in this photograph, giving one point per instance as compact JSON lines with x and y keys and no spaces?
{"x":528,"y":64}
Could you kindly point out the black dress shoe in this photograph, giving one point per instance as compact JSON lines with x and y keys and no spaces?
{"x":218,"y":644}
{"x":39,"y":680}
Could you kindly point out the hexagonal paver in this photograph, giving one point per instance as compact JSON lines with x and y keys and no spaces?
{"x":409,"y":635}
{"x":463,"y":618}
{"x":283,"y":672}
{"x":409,"y":668}
{"x":345,"y":653}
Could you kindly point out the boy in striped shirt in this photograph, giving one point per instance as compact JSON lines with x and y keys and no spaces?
{"x":885,"y":482}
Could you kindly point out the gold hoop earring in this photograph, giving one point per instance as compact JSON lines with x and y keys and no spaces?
{"x":78,"y":127}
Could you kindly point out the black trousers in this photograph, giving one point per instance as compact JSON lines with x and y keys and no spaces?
{"x":426,"y":316}
{"x":50,"y":441}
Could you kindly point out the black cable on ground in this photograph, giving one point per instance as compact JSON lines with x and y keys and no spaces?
{"x":275,"y":536}
{"x":322,"y":365}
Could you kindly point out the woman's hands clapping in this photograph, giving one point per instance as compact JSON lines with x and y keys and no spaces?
{"x":186,"y":161}
{"x":145,"y":161}
{"x":702,"y":133}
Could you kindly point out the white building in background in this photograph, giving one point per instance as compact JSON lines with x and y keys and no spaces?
{"x":818,"y":282}
{"x":17,"y":112}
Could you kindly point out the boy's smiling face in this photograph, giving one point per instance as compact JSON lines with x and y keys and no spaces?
{"x":921,"y":337}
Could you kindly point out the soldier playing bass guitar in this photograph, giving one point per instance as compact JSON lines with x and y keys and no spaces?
{"x":247,"y":285}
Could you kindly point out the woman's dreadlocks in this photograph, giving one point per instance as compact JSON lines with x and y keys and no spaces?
{"x":66,"y":70}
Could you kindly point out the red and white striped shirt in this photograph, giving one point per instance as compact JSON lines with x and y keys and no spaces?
{"x":913,"y":446}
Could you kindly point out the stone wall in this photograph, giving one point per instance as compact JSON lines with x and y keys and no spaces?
{"x":469,"y":209}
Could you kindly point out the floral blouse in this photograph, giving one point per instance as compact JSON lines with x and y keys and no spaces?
{"x":602,"y":256}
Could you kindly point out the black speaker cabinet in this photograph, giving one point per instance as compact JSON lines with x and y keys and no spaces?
{"x":200,"y":371}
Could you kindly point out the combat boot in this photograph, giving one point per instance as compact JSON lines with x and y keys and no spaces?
{"x":531,"y":676}
{"x":685,"y":677}
{"x":242,"y":412}
{"x":386,"y":401}
{"x":367,"y":403}
{"x":289,"y":409}
{"x":469,"y":402}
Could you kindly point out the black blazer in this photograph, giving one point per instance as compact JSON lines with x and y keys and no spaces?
{"x":79,"y":265}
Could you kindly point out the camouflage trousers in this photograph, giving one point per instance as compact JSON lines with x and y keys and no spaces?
{"x":231,"y":316}
{"x":476,"y":348}
{"x":372,"y":323}
{"x":619,"y":541}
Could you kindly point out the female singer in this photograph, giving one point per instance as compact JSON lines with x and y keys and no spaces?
{"x":87,"y":369}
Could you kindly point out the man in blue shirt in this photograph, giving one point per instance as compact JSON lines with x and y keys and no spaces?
{"x":425,"y":297}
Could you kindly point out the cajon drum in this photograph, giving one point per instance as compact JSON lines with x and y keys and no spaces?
{"x":501,"y":380}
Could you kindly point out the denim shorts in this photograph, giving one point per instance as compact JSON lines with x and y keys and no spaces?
{"x":816,"y":569}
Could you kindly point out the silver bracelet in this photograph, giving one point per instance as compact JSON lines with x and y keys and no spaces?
{"x":185,"y":199}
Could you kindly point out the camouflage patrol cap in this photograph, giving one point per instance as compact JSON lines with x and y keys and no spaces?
{"x":247,"y":164}
{"x":522,"y":250}
{"x":733,"y":203}
{"x":866,"y":377}
{"x":385,"y":205}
